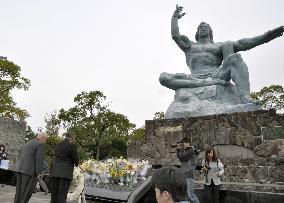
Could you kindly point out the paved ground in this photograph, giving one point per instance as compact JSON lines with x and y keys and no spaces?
{"x":7,"y":194}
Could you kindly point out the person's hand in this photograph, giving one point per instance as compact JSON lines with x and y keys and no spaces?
{"x":179,"y":146}
{"x":178,"y":11}
{"x":272,"y":34}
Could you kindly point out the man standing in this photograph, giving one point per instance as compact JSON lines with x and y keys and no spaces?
{"x":66,"y":157}
{"x":187,"y":156}
{"x":29,"y":167}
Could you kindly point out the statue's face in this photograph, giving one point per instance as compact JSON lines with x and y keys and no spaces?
{"x":204,"y":30}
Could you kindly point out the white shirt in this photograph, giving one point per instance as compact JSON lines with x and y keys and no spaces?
{"x":216,"y":170}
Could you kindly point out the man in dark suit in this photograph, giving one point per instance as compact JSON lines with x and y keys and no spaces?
{"x":29,"y":167}
{"x":66,"y":157}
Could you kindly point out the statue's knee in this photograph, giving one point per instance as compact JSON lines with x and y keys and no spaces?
{"x":164,"y":79}
{"x":235,"y":59}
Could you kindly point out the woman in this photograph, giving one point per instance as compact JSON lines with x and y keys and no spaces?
{"x":213,"y":169}
{"x":3,"y":165}
{"x":3,"y":155}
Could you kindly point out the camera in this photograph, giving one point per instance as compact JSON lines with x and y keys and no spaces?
{"x":177,"y":144}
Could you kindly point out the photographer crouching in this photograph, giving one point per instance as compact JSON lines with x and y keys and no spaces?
{"x":187,"y":154}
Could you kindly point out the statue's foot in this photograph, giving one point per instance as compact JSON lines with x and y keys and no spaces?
{"x":248,"y":99}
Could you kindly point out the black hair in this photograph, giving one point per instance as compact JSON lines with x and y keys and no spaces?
{"x":173,"y":181}
{"x":1,"y":145}
{"x":208,"y":150}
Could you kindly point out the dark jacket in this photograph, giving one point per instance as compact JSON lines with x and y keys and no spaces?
{"x":188,"y":161}
{"x":66,"y":157}
{"x":32,"y":157}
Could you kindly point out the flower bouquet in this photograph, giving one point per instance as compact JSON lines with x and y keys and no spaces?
{"x":115,"y":171}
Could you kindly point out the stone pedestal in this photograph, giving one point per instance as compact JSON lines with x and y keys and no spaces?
{"x":208,"y":100}
{"x":250,"y":144}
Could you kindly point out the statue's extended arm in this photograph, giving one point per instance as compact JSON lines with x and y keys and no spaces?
{"x":249,"y":43}
{"x":181,"y":40}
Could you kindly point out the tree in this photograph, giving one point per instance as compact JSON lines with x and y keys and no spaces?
{"x":50,"y":144}
{"x":270,"y":97}
{"x":138,"y":133}
{"x":94,"y":124}
{"x":52,"y":124}
{"x":30,"y":134}
{"x":159,"y":115}
{"x":10,"y":79}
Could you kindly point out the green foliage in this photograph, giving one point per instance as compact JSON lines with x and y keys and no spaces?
{"x":29,"y":134}
{"x":159,"y":115}
{"x":94,"y":124}
{"x":49,"y":148}
{"x":270,"y":97}
{"x":10,"y":79}
{"x":52,"y":124}
{"x":116,"y":148}
{"x":138,"y":134}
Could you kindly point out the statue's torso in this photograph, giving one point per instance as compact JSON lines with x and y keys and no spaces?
{"x":204,"y":59}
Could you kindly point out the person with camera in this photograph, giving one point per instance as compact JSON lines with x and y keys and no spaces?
{"x":213,"y":169}
{"x":187,"y":154}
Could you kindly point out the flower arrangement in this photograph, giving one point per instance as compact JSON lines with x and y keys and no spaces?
{"x":76,"y":190}
{"x":116,"y":170}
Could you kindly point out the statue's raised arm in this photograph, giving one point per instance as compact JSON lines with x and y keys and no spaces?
{"x":181,"y":40}
{"x":249,"y":43}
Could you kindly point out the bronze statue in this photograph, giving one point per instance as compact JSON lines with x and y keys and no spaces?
{"x":214,"y":63}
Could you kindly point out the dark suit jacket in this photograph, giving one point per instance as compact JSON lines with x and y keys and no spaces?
{"x":32,"y":157}
{"x":66,"y":157}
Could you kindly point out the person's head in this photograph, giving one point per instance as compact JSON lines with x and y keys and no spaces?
{"x":210,"y":154}
{"x":42,"y":136}
{"x":71,"y":136}
{"x":2,"y":148}
{"x":170,"y":185}
{"x":204,"y":30}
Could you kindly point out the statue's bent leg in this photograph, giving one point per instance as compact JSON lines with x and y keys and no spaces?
{"x":176,"y":81}
{"x":240,"y":76}
{"x":165,"y":80}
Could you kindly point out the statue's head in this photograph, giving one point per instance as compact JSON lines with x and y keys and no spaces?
{"x":203,"y":30}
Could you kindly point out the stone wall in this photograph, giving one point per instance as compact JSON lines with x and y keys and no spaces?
{"x":12,"y":135}
{"x":250,"y":144}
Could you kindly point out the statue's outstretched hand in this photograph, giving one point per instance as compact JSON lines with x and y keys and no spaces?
{"x":272,"y":34}
{"x":178,"y":11}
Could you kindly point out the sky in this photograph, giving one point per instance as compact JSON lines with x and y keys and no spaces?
{"x":120,"y":47}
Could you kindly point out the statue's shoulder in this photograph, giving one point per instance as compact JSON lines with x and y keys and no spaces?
{"x":186,"y":40}
{"x":219,"y":44}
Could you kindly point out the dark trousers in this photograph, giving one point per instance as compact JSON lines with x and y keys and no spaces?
{"x":59,"y":189}
{"x":24,"y":188}
{"x":211,"y":193}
